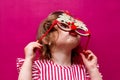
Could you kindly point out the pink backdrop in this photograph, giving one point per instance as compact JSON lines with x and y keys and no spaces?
{"x":19,"y":20}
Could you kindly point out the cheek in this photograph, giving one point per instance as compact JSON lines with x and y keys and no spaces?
{"x":63,"y":35}
{"x":75,"y":40}
{"x":53,"y":36}
{"x":78,"y":37}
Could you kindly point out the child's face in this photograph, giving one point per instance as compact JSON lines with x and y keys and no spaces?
{"x":66,"y":38}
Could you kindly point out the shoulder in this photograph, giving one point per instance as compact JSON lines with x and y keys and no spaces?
{"x":20,"y":61}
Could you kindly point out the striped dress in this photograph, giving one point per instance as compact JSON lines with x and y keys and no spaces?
{"x":48,"y":70}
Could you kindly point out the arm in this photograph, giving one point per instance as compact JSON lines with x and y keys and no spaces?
{"x":95,"y":74}
{"x":26,"y":69}
{"x":90,"y":62}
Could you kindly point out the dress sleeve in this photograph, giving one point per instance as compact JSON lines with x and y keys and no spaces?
{"x":35,"y":69}
{"x":87,"y":76}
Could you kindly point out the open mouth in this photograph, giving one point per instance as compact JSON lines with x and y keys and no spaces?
{"x":73,"y":33}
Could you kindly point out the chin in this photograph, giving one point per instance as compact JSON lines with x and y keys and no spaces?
{"x":74,"y":40}
{"x":74,"y":44}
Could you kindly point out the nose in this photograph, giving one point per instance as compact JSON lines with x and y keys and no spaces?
{"x":73,"y":27}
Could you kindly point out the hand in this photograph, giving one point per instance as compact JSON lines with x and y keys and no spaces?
{"x":30,"y":50}
{"x":89,"y":60}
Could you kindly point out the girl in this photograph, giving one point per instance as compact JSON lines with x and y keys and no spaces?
{"x":61,"y":57}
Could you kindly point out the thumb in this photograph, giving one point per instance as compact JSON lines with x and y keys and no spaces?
{"x":83,"y":56}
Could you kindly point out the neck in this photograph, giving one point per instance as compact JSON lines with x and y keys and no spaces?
{"x":62,"y":56}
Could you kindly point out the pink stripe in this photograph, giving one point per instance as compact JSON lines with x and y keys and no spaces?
{"x":42,"y":72}
{"x":71,"y":73}
{"x":77,"y":73}
{"x":60,"y":71}
{"x":51,"y":78}
{"x":82,"y":73}
{"x":46,"y":70}
{"x":62,"y":74}
{"x":50,"y":73}
{"x":65,"y":74}
{"x":68,"y":73}
{"x":55,"y":77}
{"x":74,"y":76}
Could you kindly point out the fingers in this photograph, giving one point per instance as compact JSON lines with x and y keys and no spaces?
{"x":83,"y":56}
{"x":90,"y":57}
{"x":35,"y":45}
{"x":37,"y":41}
{"x":88,"y":54}
{"x":31,"y":48}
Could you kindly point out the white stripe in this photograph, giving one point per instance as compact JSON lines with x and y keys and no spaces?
{"x":82,"y":72}
{"x":76,"y":73}
{"x":60,"y":71}
{"x":43,"y":69}
{"x":56,"y":70}
{"x":69,"y":75}
{"x":47,"y":71}
{"x":53,"y":75}
{"x":50,"y":71}
{"x":63,"y":76}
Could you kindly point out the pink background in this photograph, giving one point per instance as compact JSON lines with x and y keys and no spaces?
{"x":19,"y":20}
